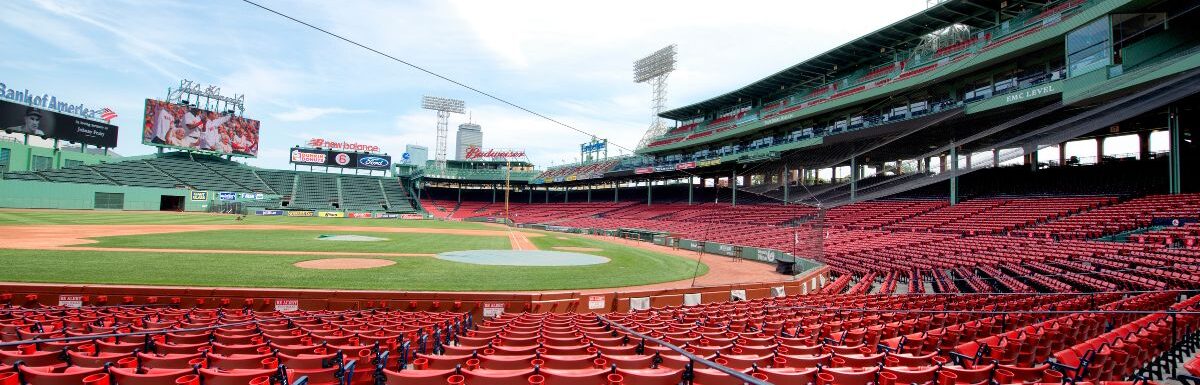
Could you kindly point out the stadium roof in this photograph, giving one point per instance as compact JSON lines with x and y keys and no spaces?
{"x":903,"y":34}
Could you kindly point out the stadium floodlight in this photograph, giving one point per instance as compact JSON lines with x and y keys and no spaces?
{"x":654,"y":69}
{"x":444,"y":107}
{"x":659,"y":63}
{"x":442,"y":104}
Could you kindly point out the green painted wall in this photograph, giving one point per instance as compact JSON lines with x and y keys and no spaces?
{"x":47,"y":195}
{"x":20,"y":155}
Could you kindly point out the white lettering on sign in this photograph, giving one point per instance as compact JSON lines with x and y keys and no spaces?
{"x":74,"y":301}
{"x":491,"y":310}
{"x":1031,"y":93}
{"x":595,"y":302}
{"x":287,"y":305}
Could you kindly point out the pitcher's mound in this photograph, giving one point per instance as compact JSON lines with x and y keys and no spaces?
{"x":344,"y":263}
{"x":571,"y":248}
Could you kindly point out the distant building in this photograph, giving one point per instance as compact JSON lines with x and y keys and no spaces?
{"x":417,"y":155}
{"x":469,"y":135}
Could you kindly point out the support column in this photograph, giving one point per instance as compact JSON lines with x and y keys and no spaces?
{"x":953,"y":175}
{"x":969,"y":161}
{"x":995,"y":157}
{"x":853,"y":178}
{"x":1031,"y":156}
{"x":589,"y":194}
{"x":787,"y":175}
{"x":566,"y":193}
{"x":616,"y":188}
{"x":1099,"y":150}
{"x":547,"y":194}
{"x":530,"y":190}
{"x":1062,"y":154}
{"x":1143,"y":145}
{"x":649,"y":196}
{"x":459,"y":192}
{"x":1176,"y":147}
{"x":942,"y":163}
{"x":733,"y":188}
{"x":690,"y":186}
{"x":493,"y":193}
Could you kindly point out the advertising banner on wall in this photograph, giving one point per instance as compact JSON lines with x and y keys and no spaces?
{"x":309,"y":157}
{"x":331,"y":214}
{"x":15,"y":117}
{"x":343,"y":159}
{"x":180,"y":126}
{"x":303,"y":213}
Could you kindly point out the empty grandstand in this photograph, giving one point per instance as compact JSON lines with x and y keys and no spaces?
{"x":282,"y":189}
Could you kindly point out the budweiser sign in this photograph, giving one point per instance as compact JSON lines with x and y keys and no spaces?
{"x":344,"y":146}
{"x":476,"y":153}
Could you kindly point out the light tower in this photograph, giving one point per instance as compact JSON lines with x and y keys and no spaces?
{"x":654,"y":69}
{"x":444,"y":107}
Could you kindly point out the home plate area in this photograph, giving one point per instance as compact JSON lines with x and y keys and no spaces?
{"x":522,"y":258}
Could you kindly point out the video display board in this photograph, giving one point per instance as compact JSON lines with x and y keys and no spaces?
{"x":191,"y":128}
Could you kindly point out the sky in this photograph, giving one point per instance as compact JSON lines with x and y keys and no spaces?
{"x":569,"y":60}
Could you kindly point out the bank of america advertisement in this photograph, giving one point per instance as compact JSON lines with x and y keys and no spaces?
{"x":20,"y":118}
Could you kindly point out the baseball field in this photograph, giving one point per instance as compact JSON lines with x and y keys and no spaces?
{"x":210,"y":250}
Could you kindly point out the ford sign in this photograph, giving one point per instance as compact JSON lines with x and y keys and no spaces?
{"x":371,"y":161}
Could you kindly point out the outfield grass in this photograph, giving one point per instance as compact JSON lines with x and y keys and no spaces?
{"x":294,"y":240}
{"x":85,"y":217}
{"x":628,"y":266}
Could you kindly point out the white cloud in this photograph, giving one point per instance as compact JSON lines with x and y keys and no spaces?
{"x":304,"y":114}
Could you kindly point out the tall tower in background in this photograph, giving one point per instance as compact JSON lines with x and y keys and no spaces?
{"x":444,"y":108}
{"x":469,"y":135}
{"x":654,"y":69}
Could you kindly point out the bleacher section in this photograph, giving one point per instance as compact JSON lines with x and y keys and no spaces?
{"x":75,"y":175}
{"x":317,"y":190}
{"x":282,"y":182}
{"x":396,"y":195}
{"x":362,"y":193}
{"x":194,"y":174}
{"x":137,"y":173}
{"x":301,"y":190}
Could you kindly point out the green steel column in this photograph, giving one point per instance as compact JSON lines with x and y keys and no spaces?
{"x":530,"y":194}
{"x":953,"y":174}
{"x":493,"y":193}
{"x":589,"y":192}
{"x":733,"y":188}
{"x":690,"y":186}
{"x":1176,"y":146}
{"x":459,"y":191}
{"x":649,"y":197}
{"x":786,"y":175}
{"x":853,"y":178}
{"x":566,"y":193}
{"x":547,"y":194}
{"x":616,"y":189}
